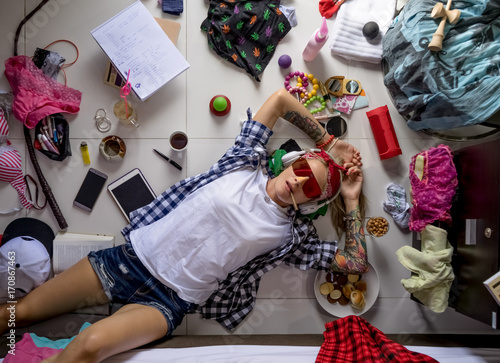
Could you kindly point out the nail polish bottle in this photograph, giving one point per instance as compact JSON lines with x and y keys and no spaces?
{"x":316,"y":42}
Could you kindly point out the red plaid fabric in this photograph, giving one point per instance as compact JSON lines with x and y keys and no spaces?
{"x":353,"y":339}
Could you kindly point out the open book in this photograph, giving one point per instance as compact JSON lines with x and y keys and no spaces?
{"x":134,"y":41}
{"x":69,"y":248}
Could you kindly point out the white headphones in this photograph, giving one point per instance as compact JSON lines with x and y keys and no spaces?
{"x":289,"y":158}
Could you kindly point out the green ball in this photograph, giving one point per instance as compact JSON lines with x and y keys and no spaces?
{"x":220,"y":104}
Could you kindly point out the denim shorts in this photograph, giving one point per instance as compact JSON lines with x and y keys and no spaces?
{"x":125,"y":280}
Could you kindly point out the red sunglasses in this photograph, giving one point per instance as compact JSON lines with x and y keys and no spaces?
{"x":311,"y":187}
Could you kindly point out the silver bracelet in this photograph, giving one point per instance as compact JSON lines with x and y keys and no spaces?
{"x":332,"y":145}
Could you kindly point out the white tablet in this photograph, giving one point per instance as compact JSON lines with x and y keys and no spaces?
{"x":131,"y":192}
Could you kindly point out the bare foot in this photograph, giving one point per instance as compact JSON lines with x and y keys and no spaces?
{"x":346,"y":153}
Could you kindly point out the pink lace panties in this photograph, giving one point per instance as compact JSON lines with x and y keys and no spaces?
{"x":35,"y":94}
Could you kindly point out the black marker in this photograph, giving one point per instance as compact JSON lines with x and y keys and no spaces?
{"x":168,"y":159}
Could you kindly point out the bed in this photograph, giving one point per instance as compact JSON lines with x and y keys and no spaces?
{"x":276,"y":354}
{"x":348,"y":339}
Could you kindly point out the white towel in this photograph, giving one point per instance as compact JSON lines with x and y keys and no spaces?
{"x":347,"y":36}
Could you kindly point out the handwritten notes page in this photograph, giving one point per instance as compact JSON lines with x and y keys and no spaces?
{"x":133,"y":40}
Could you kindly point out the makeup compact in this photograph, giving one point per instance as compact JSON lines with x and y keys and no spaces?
{"x":338,"y":86}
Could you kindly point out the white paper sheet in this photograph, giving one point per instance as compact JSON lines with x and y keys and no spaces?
{"x":134,"y":41}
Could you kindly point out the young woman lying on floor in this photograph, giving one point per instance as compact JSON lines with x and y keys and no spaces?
{"x":205,"y":242}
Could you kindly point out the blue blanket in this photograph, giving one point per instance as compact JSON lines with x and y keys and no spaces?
{"x":457,"y":86}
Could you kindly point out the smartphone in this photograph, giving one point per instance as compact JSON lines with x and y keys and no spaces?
{"x":89,"y":190}
{"x":131,"y":192}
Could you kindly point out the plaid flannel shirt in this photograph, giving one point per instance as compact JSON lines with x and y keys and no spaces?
{"x":354,"y":339}
{"x":235,"y":296}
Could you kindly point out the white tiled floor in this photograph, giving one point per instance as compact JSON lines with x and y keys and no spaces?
{"x":286,"y":303}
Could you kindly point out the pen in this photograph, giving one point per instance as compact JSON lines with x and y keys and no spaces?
{"x":168,"y":159}
{"x":54,"y":129}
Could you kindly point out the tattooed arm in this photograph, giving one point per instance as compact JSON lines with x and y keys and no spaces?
{"x":281,"y":104}
{"x":353,"y":258}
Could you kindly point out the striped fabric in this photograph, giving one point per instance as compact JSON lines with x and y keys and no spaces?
{"x":11,"y":172}
{"x":4,"y":127}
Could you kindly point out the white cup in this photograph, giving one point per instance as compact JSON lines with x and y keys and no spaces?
{"x":178,"y":141}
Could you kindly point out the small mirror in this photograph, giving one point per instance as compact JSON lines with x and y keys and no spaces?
{"x":352,"y":87}
{"x":334,"y":85}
